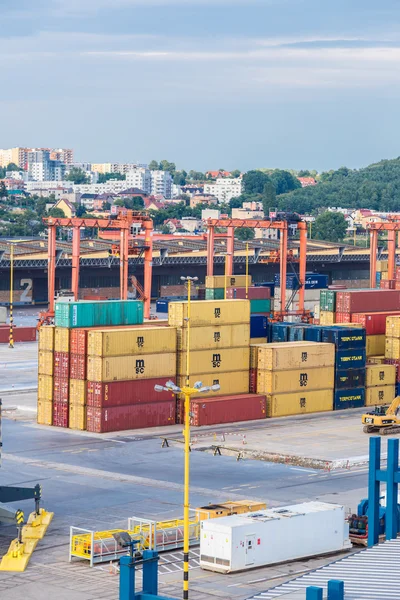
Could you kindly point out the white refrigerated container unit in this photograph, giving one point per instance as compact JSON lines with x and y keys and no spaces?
{"x":266,"y":537}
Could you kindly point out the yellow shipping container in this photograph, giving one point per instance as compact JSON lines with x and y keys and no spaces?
{"x":295,"y":355}
{"x":352,"y":325}
{"x":45,"y":387}
{"x":204,"y":338}
{"x":262,"y":340}
{"x":218,"y":281}
{"x":384,"y":275}
{"x":382,"y":265}
{"x":231,"y":383}
{"x":209,"y":312}
{"x":253,"y":357}
{"x":45,"y":360}
{"x":120,"y":368}
{"x":380,"y":375}
{"x":393,"y":327}
{"x":299,"y":403}
{"x":61,"y":339}
{"x":392,"y":348}
{"x":127,"y":342}
{"x":223,"y":360}
{"x":383,"y":394}
{"x":77,"y":417}
{"x":375,"y":344}
{"x":46,"y":338}
{"x":376,"y":360}
{"x":45,"y":412}
{"x":214,"y":511}
{"x":282,"y":382}
{"x":77,"y":392}
{"x":326,"y":317}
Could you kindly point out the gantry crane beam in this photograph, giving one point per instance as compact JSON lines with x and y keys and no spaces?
{"x":374,"y":228}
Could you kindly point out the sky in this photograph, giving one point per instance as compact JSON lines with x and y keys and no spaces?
{"x":208,"y":84}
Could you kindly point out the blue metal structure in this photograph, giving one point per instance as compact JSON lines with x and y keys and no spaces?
{"x":390,"y":476}
{"x":335,"y":591}
{"x":149,"y":564}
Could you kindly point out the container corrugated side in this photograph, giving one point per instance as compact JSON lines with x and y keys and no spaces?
{"x":222,"y":360}
{"x":378,"y":375}
{"x":45,"y":387}
{"x":253,"y":357}
{"x":78,"y":341}
{"x":61,"y":390}
{"x":60,"y":414}
{"x":375,"y":345}
{"x":281,"y":382}
{"x":344,"y":338}
{"x":46,"y":338}
{"x":77,"y":368}
{"x":298,"y":403}
{"x":45,"y":363}
{"x":231,"y":383}
{"x":218,"y":281}
{"x":92,"y":314}
{"x":61,"y":364}
{"x":393,"y":326}
{"x":137,"y":416}
{"x":122,"y":368}
{"x":61,"y":339}
{"x":203,"y":338}
{"x":354,"y":398}
{"x":121,"y":393}
{"x":354,"y":358}
{"x":260,"y":306}
{"x":125,"y":342}
{"x":227,"y":409}
{"x":77,"y":392}
{"x":392,"y":348}
{"x":215,"y":293}
{"x":77,"y":417}
{"x":253,"y":293}
{"x":374,"y":323}
{"x":355,"y":301}
{"x":258,"y":325}
{"x":45,"y":412}
{"x":327,"y":318}
{"x":209,"y":312}
{"x":383,"y":394}
{"x":295,"y":355}
{"x":349,"y":379}
{"x":327,"y":300}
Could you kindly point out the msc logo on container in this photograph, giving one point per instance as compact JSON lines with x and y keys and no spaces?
{"x":216,"y":361}
{"x":139,"y":369}
{"x":217,"y":313}
{"x":303,"y":379}
{"x":302,"y":402}
{"x":381,"y":375}
{"x":217,"y":336}
{"x":140,"y":341}
{"x":304,"y":356}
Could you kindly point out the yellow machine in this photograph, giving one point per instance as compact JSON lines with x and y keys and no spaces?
{"x":384,"y":419}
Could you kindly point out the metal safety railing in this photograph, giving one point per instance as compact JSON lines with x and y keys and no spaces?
{"x":164,"y":535}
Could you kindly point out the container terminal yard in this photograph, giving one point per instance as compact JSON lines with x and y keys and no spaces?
{"x":257,"y":394}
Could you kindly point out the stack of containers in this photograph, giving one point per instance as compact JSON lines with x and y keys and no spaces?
{"x":216,"y":284}
{"x":297,"y":377}
{"x":313,"y":284}
{"x":61,"y":377}
{"x":350,"y":363}
{"x":381,"y":272}
{"x":392,"y":346}
{"x":365,"y":301}
{"x":380,"y":384}
{"x":45,"y":376}
{"x":123,"y":366}
{"x":327,"y":303}
{"x":260,"y":298}
{"x":219,"y":345}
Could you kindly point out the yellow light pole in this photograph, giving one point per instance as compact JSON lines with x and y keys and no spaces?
{"x":11,"y":336}
{"x":247,"y":270}
{"x":188,"y":392}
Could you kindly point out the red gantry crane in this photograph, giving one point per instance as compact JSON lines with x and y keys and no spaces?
{"x":391,"y":226}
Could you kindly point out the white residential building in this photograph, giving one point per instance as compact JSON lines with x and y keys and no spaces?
{"x":139,"y":177}
{"x":48,"y":185}
{"x":224,"y":189}
{"x":42,"y":168}
{"x":161,"y":183}
{"x":122,"y":168}
{"x":112,"y":186}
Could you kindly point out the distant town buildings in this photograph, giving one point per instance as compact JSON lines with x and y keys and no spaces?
{"x":19,"y":156}
{"x":42,"y":168}
{"x":224,"y":189}
{"x":306,"y":181}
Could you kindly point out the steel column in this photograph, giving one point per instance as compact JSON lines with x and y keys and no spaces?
{"x":391,"y":253}
{"x":314,"y":593}
{"x":51,"y":263}
{"x":302,"y":227}
{"x":122,"y":234}
{"x":283,"y":265}
{"x":230,"y":248}
{"x":335,"y":589}
{"x":210,"y":250}
{"x":392,"y":490}
{"x":373,"y":490}
{"x":372,"y":252}
{"x":148,"y":266}
{"x":126,"y":266}
{"x":76,"y":251}
{"x":150,"y":572}
{"x":126,"y":579}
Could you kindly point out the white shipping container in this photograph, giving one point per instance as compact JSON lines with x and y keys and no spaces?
{"x":266,"y":537}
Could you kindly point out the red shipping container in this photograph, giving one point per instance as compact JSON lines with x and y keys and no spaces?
{"x":122,"y":393}
{"x":60,"y":414}
{"x":253,"y":381}
{"x":137,"y":416}
{"x":77,"y":366}
{"x":374,"y":323}
{"x":78,"y":341}
{"x":61,"y":364}
{"x":387,"y":284}
{"x":20,"y":334}
{"x":254,"y":293}
{"x":61,"y":389}
{"x":342,"y":317}
{"x":356,"y":301}
{"x":228,"y":409}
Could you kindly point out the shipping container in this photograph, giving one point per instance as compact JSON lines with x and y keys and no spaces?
{"x":280,"y":332}
{"x":354,"y":358}
{"x":243,"y":542}
{"x":207,"y":361}
{"x":383,"y":394}
{"x":393,"y":326}
{"x":375,"y":345}
{"x":227,"y":409}
{"x":371,"y":300}
{"x":327,"y":318}
{"x":396,"y":363}
{"x":281,"y":382}
{"x":342,"y":317}
{"x":254,"y":356}
{"x":128,"y":342}
{"x":218,"y":281}
{"x":209,"y":312}
{"x":374,"y":323}
{"x":45,"y":363}
{"x":327,"y":300}
{"x":344,"y":338}
{"x":215,"y":293}
{"x":257,"y":341}
{"x":61,"y":390}
{"x":61,"y":364}
{"x":231,"y":383}
{"x":78,"y":341}
{"x":214,"y":337}
{"x":260,"y":306}
{"x":295,"y":355}
{"x":269,"y":284}
{"x":137,"y":416}
{"x":380,"y":375}
{"x":20,"y":334}
{"x":46,"y":338}
{"x":77,"y":417}
{"x":45,"y":387}
{"x":312,"y":333}
{"x":349,"y":379}
{"x":312,"y":281}
{"x":77,"y":392}
{"x":392,"y":348}
{"x":77,"y":368}
{"x":61,"y":339}
{"x":252,"y":293}
{"x":162,"y":306}
{"x":122,"y":393}
{"x":45,"y":412}
{"x":60,"y":414}
{"x":299,"y":403}
{"x":354,"y":398}
{"x":122,"y":368}
{"x":296,"y":333}
{"x":384,"y":276}
{"x":258,"y":326}
{"x":377,"y":360}
{"x":253,"y":381}
{"x":92,"y":314}
{"x":382,"y":265}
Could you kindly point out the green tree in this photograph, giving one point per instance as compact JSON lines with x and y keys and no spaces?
{"x":236,"y":202}
{"x":180,"y":178}
{"x":77,"y":176}
{"x":2,"y":172}
{"x":103,"y":177}
{"x":268,"y":197}
{"x":153,"y":165}
{"x":235,"y":173}
{"x":284,"y":181}
{"x":165,"y":165}
{"x":196,"y":176}
{"x":13,"y":167}
{"x":80,"y":210}
{"x":57,"y":213}
{"x":3,"y":190}
{"x":254,"y":182}
{"x":330,"y":226}
{"x":244,"y":233}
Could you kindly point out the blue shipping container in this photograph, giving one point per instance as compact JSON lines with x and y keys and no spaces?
{"x":344,"y":338}
{"x":296,"y":333}
{"x":349,"y":379}
{"x":258,"y":326}
{"x":313,"y":333}
{"x":280,"y":332}
{"x":314,"y":281}
{"x":162,"y":306}
{"x":349,"y":398}
{"x":350,"y":359}
{"x":397,"y":389}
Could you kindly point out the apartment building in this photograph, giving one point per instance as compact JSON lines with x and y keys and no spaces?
{"x":65,"y":155}
{"x":139,"y":177}
{"x":161,"y":183}
{"x":121,"y":168}
{"x":18,"y":156}
{"x":112,"y":186}
{"x":42,"y":168}
{"x":224,"y":189}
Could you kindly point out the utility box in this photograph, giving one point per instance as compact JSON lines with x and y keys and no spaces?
{"x":257,"y":539}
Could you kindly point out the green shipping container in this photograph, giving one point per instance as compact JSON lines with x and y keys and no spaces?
{"x":215,"y":293}
{"x":327,"y":300}
{"x":260,"y":305}
{"x":96,"y":314}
